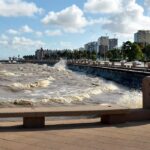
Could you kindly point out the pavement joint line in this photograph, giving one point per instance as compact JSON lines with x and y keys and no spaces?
{"x":14,"y":141}
{"x":101,"y":141}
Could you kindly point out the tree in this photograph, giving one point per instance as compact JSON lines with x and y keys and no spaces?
{"x":126,"y":47}
{"x":114,"y":54}
{"x":135,"y":53}
{"x":93,"y":55}
{"x":131,"y":51}
{"x":146,"y":51}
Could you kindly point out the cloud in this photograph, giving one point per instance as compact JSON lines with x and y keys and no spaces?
{"x":22,"y":41}
{"x":26,"y":29}
{"x":4,"y":37}
{"x":98,"y":21}
{"x":70,"y":19}
{"x":146,"y":2}
{"x":102,"y":6}
{"x":12,"y":31}
{"x":53,"y":32}
{"x":129,"y":20}
{"x":3,"y":40}
{"x":14,"y":8}
{"x":39,"y":33}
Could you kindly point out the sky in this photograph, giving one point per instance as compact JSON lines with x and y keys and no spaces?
{"x":26,"y":25}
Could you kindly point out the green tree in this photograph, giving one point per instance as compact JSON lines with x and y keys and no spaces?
{"x":126,"y":47}
{"x":131,"y":51}
{"x":146,"y":51}
{"x":114,"y":54}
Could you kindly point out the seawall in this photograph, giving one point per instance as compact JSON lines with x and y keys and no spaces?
{"x":129,"y":78}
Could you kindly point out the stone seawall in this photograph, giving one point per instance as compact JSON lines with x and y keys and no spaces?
{"x":129,"y":78}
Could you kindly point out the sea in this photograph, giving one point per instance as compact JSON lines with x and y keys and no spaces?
{"x":43,"y":85}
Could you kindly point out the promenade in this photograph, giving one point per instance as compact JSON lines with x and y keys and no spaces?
{"x":81,"y":134}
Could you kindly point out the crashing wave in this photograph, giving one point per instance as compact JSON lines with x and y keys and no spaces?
{"x":6,"y":73}
{"x":29,"y":86}
{"x":60,"y":66}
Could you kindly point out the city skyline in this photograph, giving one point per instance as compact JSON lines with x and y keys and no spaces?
{"x":57,"y":24}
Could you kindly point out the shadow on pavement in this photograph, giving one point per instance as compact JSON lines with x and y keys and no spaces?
{"x":68,"y":126}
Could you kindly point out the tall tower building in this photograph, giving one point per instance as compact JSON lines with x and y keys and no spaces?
{"x":91,"y":46}
{"x":103,"y":44}
{"x":142,"y":37}
{"x":113,"y":43}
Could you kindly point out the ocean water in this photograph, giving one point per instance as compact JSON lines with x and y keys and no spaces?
{"x":36,"y":85}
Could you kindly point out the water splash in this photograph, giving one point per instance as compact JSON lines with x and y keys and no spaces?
{"x":29,"y":86}
{"x":6,"y":73}
{"x":42,"y":84}
{"x":61,"y":65}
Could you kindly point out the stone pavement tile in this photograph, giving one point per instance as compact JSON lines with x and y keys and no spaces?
{"x":59,"y":135}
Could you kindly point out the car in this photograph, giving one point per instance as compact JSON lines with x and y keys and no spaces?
{"x":137,"y":62}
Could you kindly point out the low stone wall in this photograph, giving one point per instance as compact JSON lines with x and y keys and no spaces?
{"x":129,"y":78}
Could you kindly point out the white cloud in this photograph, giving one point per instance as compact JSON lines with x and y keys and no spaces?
{"x":22,"y":41}
{"x":14,"y":8}
{"x":147,"y":3}
{"x":71,"y":19}
{"x":98,"y":21}
{"x":128,"y":20}
{"x":53,"y":32}
{"x":12,"y":31}
{"x":3,"y":42}
{"x":26,"y":29}
{"x":39,"y":33}
{"x":3,"y":39}
{"x":23,"y":29}
{"x":102,"y":6}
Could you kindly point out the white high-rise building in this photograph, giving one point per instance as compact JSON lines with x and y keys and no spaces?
{"x":91,"y":46}
{"x":113,"y":43}
{"x":103,"y":44}
{"x":142,"y":37}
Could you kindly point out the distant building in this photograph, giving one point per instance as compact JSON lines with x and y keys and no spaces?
{"x":113,"y":43}
{"x":103,"y":44}
{"x":91,"y":46}
{"x":81,"y":49}
{"x":142,"y":37}
{"x":39,"y":54}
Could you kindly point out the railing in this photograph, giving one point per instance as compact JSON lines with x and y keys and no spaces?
{"x":117,"y":65}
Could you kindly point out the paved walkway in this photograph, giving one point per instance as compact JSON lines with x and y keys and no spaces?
{"x":84,"y":134}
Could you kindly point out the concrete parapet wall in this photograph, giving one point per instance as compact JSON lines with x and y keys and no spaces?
{"x":128,"y":78}
{"x":148,"y":65}
{"x":146,"y":92}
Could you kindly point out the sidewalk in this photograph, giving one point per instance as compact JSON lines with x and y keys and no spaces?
{"x":82,"y":134}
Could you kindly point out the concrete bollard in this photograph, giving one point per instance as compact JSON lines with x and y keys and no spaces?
{"x":106,"y":63}
{"x":146,"y":92}
{"x":148,"y":65}
{"x":122,"y":64}
{"x":134,"y":65}
{"x":99,"y":63}
{"x":94,"y":63}
{"x":113,"y":63}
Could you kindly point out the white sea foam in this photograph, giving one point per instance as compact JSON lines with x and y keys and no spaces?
{"x":45,"y":84}
{"x":7,"y":73}
{"x":61,"y":65}
{"x":29,"y":86}
{"x":131,"y":99}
